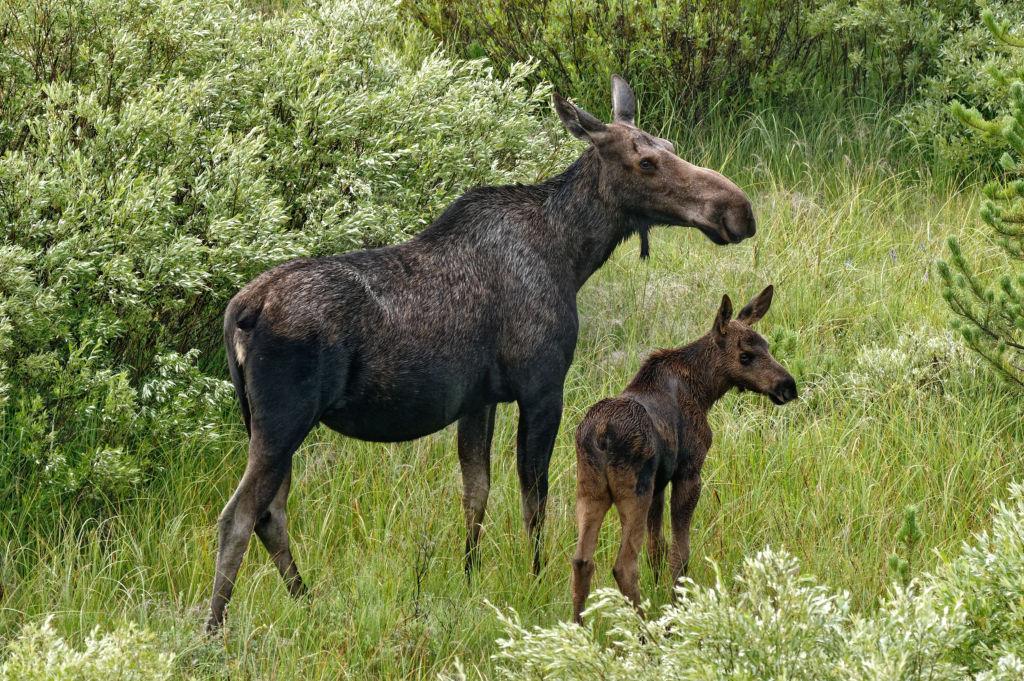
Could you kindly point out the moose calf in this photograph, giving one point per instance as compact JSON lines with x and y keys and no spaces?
{"x":629,"y":447}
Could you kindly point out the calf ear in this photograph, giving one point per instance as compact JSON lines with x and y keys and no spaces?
{"x":723,"y":316}
{"x":577,"y":121}
{"x":756,"y":308}
{"x":623,"y":101}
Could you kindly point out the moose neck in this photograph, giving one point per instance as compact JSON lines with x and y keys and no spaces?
{"x":586,"y":224}
{"x":699,"y":375}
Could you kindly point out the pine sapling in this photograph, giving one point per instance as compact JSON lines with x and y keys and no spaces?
{"x":910,"y":536}
{"x":990,"y":313}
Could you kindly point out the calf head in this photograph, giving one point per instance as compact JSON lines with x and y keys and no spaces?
{"x":743,"y":355}
{"x":642,"y":176}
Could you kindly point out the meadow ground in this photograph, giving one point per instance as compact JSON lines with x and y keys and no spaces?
{"x":892,"y":413}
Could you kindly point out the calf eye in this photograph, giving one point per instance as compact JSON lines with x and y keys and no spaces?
{"x":646,"y":164}
{"x":746,"y":358}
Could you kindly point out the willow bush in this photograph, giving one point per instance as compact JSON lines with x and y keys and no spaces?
{"x":156,"y":154}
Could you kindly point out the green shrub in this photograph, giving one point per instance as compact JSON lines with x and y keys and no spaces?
{"x":886,"y":48}
{"x":973,"y":72}
{"x":693,"y":49}
{"x":965,"y":620}
{"x":125,"y":654}
{"x":694,"y":57}
{"x":156,"y":154}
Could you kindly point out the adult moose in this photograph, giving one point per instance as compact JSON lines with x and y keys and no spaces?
{"x":394,"y":343}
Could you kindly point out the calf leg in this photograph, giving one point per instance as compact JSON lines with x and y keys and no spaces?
{"x":590,"y":512}
{"x":272,"y":529}
{"x":685,"y":494}
{"x":538,"y":425}
{"x":475,"y":433}
{"x":655,"y":536}
{"x":633,"y":512}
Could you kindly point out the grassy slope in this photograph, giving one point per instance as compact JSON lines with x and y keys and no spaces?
{"x":378,"y":530}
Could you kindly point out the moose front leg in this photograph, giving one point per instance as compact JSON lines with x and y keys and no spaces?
{"x":685,"y":494}
{"x":475,"y":433}
{"x":538,"y":425}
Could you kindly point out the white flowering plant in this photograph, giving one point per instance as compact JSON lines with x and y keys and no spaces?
{"x":965,"y":620}
{"x":127,"y":653}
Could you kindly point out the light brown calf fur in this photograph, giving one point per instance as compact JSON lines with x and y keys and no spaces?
{"x":629,"y":447}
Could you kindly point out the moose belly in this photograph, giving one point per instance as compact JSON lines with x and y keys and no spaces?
{"x":415,"y":407}
{"x":384,"y":422}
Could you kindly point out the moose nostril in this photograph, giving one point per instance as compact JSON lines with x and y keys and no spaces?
{"x":790,"y":389}
{"x":786,"y":390}
{"x":739,"y":222}
{"x":751,"y":221}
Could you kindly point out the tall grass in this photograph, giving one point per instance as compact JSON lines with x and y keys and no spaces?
{"x":885,"y":421}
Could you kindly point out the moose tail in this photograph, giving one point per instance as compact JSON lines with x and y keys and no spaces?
{"x":238,"y":320}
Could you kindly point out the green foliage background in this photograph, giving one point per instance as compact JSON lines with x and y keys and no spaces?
{"x":155,"y":154}
{"x":699,"y":60}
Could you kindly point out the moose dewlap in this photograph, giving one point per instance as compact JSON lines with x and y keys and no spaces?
{"x":630,"y":447}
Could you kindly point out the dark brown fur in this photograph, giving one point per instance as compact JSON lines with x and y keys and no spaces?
{"x":395,"y":343}
{"x":630,"y":447}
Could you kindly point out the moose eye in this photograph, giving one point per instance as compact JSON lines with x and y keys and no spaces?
{"x":746,"y":358}
{"x":646,"y":164}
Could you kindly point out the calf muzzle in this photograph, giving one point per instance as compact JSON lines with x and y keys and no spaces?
{"x":785,"y":391}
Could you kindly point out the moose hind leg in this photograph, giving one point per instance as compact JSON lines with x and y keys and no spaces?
{"x":538,"y":426}
{"x":272,"y":529}
{"x":633,"y":513}
{"x":685,"y":494}
{"x":475,"y":433}
{"x":590,"y":513}
{"x":655,"y":537}
{"x":268,"y":465}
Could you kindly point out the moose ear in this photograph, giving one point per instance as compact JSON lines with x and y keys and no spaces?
{"x":723,"y":316}
{"x":623,"y":101}
{"x":577,"y":121}
{"x":756,"y":308}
